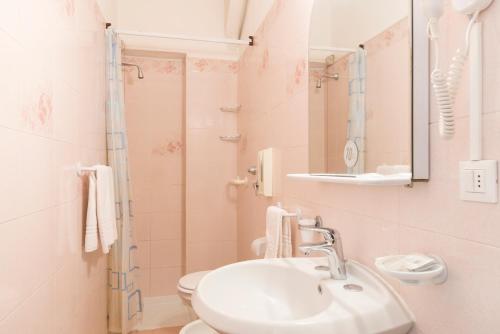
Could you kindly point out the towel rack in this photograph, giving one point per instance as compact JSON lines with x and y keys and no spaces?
{"x":297,"y":214}
{"x":80,"y":170}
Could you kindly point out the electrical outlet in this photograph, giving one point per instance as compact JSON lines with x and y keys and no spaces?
{"x":479,"y":181}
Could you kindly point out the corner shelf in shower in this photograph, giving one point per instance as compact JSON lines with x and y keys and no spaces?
{"x":231,"y":109}
{"x":233,"y":139}
{"x":368,"y":179}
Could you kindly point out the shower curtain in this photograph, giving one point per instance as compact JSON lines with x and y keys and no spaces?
{"x":124,"y":295}
{"x":357,"y":115}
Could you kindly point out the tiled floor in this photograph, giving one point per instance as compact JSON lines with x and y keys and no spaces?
{"x":170,"y":330}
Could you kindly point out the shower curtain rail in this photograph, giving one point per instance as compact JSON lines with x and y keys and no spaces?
{"x":187,"y":38}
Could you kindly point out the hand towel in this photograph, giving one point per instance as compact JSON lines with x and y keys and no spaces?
{"x":278,"y":233}
{"x":91,"y":225}
{"x":286,"y":239}
{"x":106,"y":215}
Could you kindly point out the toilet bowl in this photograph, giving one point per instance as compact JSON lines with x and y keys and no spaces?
{"x":185,"y":288}
{"x":188,"y":283}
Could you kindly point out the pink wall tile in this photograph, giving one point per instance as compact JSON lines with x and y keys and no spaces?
{"x":144,"y":254}
{"x":465,"y":303}
{"x":144,"y":281}
{"x":211,"y":163}
{"x":52,"y":117}
{"x":143,"y":222}
{"x":164,"y":281}
{"x":167,"y":227}
{"x":155,"y":122}
{"x":208,"y":255}
{"x":166,"y":253}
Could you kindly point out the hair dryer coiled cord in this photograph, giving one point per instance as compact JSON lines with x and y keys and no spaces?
{"x":445,"y":87}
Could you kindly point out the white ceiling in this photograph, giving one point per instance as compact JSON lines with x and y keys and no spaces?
{"x":348,"y":23}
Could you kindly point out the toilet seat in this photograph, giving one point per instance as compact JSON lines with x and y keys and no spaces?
{"x":188,"y":283}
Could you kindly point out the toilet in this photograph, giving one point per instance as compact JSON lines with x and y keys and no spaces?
{"x":187,"y":284}
{"x":185,"y":288}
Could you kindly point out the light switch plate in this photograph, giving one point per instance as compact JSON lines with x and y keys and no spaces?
{"x":479,"y":181}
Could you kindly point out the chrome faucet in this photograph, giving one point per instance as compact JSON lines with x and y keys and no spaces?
{"x":332,"y":247}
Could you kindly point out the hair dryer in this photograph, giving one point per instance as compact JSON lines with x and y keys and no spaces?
{"x":445,"y":85}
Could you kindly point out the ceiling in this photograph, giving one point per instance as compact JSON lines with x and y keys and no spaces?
{"x":348,"y":23}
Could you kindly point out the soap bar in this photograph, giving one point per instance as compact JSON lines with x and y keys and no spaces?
{"x":418,"y":262}
{"x":413,"y":263}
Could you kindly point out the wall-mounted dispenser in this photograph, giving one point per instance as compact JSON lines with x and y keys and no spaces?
{"x":265,"y":168}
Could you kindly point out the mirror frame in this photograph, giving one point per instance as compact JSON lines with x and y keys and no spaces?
{"x":420,"y":140}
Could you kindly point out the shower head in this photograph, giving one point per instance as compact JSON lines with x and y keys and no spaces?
{"x":140,"y":74}
{"x":334,"y":76}
{"x":330,"y":60}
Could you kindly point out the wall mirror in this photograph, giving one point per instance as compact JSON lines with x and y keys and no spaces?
{"x":368,"y":88}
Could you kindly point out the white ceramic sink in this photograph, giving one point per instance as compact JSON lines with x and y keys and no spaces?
{"x":288,"y":296}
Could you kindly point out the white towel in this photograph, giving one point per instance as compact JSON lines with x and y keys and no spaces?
{"x":278,"y":233}
{"x":91,"y":226}
{"x":106,"y":216}
{"x":101,"y":206}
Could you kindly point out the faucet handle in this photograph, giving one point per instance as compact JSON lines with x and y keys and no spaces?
{"x":328,"y":233}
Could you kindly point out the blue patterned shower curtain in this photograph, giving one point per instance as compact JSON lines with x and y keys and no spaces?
{"x":356,"y":123}
{"x":124,"y":295}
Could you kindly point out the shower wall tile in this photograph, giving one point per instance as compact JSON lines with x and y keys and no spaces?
{"x":144,"y":281}
{"x":378,"y":221}
{"x":143,"y":222}
{"x":154,"y":108}
{"x":144,"y":254}
{"x":208,"y":255}
{"x":52,"y":116}
{"x":167,"y":227}
{"x":164,"y":281}
{"x":166,"y":253}
{"x":211,"y":163}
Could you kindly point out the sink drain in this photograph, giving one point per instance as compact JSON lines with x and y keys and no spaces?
{"x":322,"y":268}
{"x":353,"y":287}
{"x":320,"y":290}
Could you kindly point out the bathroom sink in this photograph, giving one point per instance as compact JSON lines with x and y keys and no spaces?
{"x":289,"y":296}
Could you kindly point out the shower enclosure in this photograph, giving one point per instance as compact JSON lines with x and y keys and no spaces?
{"x":154,"y":97}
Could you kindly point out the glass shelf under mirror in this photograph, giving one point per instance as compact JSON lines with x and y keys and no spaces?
{"x":367,"y":179}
